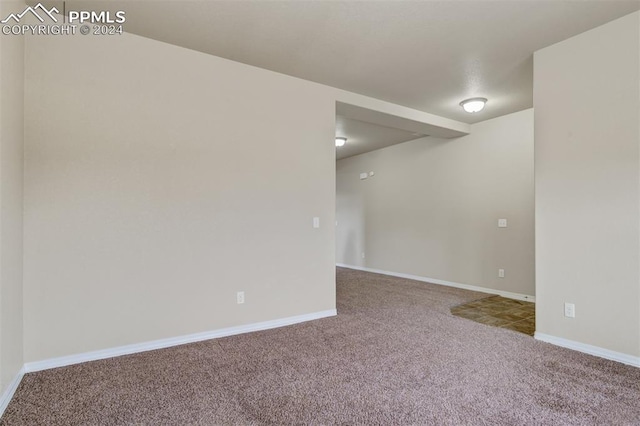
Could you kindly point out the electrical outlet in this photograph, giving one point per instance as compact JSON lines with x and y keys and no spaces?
{"x":240,"y":297}
{"x":500,"y":273}
{"x":363,"y":255}
{"x":569,"y":310}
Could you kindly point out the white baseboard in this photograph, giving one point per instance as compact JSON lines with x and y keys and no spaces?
{"x":589,"y":349}
{"x":507,"y":294}
{"x":172,"y":341}
{"x":11,"y":389}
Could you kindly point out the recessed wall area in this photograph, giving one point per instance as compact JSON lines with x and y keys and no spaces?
{"x":430,"y":207}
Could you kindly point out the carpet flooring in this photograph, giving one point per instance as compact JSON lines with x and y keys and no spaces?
{"x":394,"y":355}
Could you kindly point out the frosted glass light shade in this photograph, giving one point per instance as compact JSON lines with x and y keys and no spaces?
{"x":473,"y":105}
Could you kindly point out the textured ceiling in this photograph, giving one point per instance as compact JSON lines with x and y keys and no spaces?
{"x":428,"y":55}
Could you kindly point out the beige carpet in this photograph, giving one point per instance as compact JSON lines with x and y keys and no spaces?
{"x":394,"y":355}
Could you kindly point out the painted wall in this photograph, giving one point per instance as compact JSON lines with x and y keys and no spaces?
{"x":431,"y":209}
{"x":587,"y":166}
{"x":160,"y":181}
{"x":11,"y":191}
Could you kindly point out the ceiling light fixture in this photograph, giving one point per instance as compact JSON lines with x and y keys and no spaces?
{"x":473,"y":105}
{"x":341,"y":141}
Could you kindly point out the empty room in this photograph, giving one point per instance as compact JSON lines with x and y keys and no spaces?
{"x":320,"y":212}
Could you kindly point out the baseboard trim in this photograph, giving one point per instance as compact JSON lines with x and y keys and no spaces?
{"x":8,"y":393}
{"x":507,"y":294}
{"x":172,"y":341}
{"x":589,"y":349}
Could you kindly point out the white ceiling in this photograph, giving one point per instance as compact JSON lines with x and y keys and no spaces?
{"x":428,"y":55}
{"x":364,"y":137}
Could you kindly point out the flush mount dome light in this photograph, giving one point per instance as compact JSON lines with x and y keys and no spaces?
{"x":473,"y":105}
{"x":341,"y":141}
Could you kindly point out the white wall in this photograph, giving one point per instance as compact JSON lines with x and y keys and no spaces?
{"x":587,"y":165}
{"x":11,"y":186}
{"x":432,"y":207}
{"x":159,"y":181}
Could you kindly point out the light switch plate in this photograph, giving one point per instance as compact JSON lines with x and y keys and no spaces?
{"x":502,"y":223}
{"x":569,"y":310}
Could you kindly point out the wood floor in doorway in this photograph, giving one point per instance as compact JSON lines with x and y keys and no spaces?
{"x":499,"y":311}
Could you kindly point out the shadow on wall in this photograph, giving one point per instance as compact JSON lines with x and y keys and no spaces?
{"x":350,"y":229}
{"x":350,"y":251}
